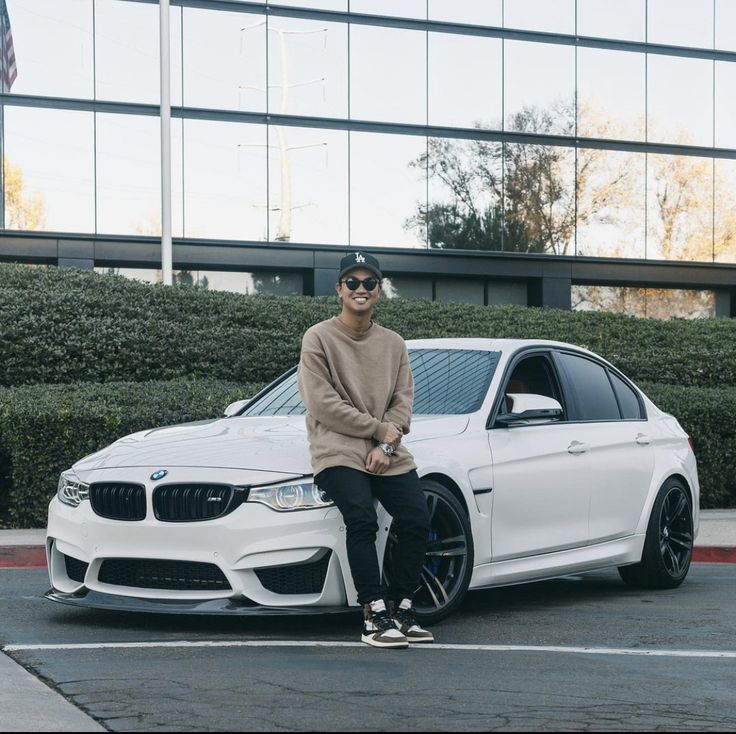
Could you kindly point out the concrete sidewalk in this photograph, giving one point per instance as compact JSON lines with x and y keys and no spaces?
{"x":716,"y":542}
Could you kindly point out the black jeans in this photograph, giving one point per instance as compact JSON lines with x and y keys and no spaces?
{"x":353,"y":492}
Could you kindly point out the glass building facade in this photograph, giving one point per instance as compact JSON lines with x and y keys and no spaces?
{"x":490,"y":150}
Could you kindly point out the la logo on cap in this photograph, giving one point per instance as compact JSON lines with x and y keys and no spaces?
{"x":359,"y":258}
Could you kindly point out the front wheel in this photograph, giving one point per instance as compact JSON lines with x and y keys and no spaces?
{"x":668,"y":547}
{"x":448,"y":564}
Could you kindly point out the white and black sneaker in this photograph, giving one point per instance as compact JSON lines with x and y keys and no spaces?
{"x":379,"y":630}
{"x":405,"y":619}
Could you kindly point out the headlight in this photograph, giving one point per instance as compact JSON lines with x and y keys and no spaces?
{"x":71,"y":491}
{"x":295,"y":496}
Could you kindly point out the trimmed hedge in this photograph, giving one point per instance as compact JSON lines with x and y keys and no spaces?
{"x":45,"y":429}
{"x":65,"y":326}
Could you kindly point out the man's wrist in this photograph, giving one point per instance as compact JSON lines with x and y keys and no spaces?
{"x":387,"y":449}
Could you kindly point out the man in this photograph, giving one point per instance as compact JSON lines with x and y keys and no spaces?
{"x":356,"y":383}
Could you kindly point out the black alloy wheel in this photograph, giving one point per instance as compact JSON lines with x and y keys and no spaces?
{"x":668,"y":548}
{"x":448,"y":564}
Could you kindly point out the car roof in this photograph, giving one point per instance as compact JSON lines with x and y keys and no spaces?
{"x":490,"y":345}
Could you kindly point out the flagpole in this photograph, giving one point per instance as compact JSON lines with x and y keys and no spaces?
{"x":165,"y":64}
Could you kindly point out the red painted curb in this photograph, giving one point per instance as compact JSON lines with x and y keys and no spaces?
{"x":714,"y":554}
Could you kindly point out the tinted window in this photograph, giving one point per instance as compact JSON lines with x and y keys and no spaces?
{"x":533,"y":375}
{"x":627,"y":399}
{"x":592,"y":394}
{"x":446,"y":382}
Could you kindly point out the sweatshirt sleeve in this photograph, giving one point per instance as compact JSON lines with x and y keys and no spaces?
{"x":400,"y":407}
{"x":324,"y":403}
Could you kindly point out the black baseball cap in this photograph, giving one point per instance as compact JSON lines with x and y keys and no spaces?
{"x":359,"y":260}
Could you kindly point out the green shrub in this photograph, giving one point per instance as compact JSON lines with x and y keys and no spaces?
{"x":45,"y":429}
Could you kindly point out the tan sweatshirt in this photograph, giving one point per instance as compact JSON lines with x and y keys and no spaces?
{"x":353,"y":386}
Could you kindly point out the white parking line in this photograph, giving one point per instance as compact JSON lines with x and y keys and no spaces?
{"x":331,"y":643}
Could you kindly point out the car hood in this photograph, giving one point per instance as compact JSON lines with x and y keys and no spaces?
{"x":275,"y":444}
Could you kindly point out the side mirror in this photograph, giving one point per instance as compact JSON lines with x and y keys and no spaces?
{"x":529,"y":409}
{"x":235,"y":407}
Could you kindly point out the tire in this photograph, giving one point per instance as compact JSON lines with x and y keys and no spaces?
{"x":668,"y":547}
{"x":448,"y":564}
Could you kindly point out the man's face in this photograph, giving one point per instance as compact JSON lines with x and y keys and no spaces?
{"x":359,"y":301}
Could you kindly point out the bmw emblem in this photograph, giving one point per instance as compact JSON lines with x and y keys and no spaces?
{"x":160,"y":474}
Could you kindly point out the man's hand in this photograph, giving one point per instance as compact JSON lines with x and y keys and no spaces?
{"x":393,"y":435}
{"x":377,"y":462}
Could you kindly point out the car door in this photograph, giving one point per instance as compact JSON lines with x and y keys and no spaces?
{"x":614,"y":431}
{"x":541,"y":486}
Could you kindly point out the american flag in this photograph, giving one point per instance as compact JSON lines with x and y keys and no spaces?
{"x":9,"y":69}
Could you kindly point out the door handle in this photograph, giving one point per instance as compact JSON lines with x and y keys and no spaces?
{"x":577,"y":448}
{"x":643,"y":440}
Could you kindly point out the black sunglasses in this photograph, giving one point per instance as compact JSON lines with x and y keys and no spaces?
{"x":368,"y":283}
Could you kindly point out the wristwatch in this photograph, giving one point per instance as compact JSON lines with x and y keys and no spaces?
{"x":387,"y":449}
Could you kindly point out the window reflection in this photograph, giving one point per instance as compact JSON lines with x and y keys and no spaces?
{"x":725,"y":104}
{"x":460,"y":290}
{"x":317,"y":4}
{"x":307,"y":67}
{"x":611,"y":210}
{"x":539,"y":83}
{"x":53,"y":46}
{"x":388,"y":68}
{"x":680,"y":22}
{"x":234,"y":78}
{"x":653,"y":303}
{"x":49,"y":174}
{"x":308,"y":175}
{"x":726,"y":25}
{"x":539,"y":199}
{"x":127,"y":54}
{"x":611,"y":94}
{"x":672,"y":80}
{"x":224,"y":180}
{"x":553,"y":16}
{"x":624,"y":19}
{"x":475,"y":12}
{"x":399,"y":286}
{"x":401,"y":8}
{"x":460,"y":66}
{"x":725,"y":211}
{"x":388,"y":189}
{"x":680,"y":208}
{"x":465,"y":195}
{"x":128,"y":175}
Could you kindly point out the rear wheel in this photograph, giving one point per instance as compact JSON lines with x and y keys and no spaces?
{"x":448,"y":564}
{"x":668,"y":547}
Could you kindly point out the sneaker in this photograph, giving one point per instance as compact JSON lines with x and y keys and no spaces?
{"x":406,"y":620}
{"x":379,"y":629}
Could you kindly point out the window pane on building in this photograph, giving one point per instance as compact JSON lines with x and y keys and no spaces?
{"x":128,"y":175}
{"x":460,"y":290}
{"x":144,"y":275}
{"x":725,"y":104}
{"x":500,"y":292}
{"x":653,"y":303}
{"x":465,"y":195}
{"x":611,"y":94}
{"x":308,"y":177}
{"x":49,"y":170}
{"x":539,"y":199}
{"x":725,"y":211}
{"x":388,"y":189}
{"x":307,"y":67}
{"x":401,"y":8}
{"x":316,"y":4}
{"x":465,"y":81}
{"x":539,"y":87}
{"x":225,"y":180}
{"x":611,"y":210}
{"x":553,"y":16}
{"x":680,"y":22}
{"x":475,"y":12}
{"x":272,"y":282}
{"x":175,"y":41}
{"x":127,"y":54}
{"x":680,"y":208}
{"x":52,"y":40}
{"x":399,"y":286}
{"x":388,"y":74}
{"x":672,"y":80}
{"x":234,"y":78}
{"x":624,"y":19}
{"x":726,"y":25}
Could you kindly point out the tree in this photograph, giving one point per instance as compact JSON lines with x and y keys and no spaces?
{"x":22,"y":211}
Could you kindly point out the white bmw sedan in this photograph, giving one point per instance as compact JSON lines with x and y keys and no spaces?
{"x":538,"y":459}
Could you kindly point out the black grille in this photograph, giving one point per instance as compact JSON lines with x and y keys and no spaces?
{"x":118,"y":501}
{"x":195,"y":502}
{"x":153,"y":574}
{"x":75,"y":569}
{"x":305,"y":578}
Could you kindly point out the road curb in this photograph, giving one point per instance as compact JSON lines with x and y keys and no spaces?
{"x":34,"y":556}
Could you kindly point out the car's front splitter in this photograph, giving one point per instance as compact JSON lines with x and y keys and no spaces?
{"x":116,"y":603}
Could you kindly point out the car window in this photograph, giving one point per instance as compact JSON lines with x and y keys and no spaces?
{"x":592,"y":398}
{"x":627,"y":398}
{"x":532,"y":375}
{"x":446,"y":382}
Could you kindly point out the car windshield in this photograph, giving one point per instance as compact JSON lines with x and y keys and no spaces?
{"x":446,"y":382}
